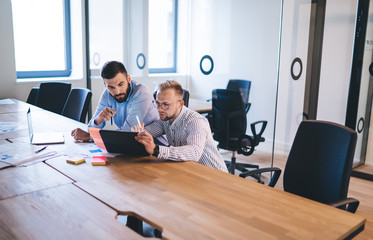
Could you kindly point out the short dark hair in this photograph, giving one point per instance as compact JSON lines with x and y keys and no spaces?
{"x":173,"y":85}
{"x":111,"y":69}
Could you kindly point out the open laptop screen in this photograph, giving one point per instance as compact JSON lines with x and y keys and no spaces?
{"x":45,"y":137}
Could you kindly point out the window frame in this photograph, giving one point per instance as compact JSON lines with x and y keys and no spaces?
{"x":173,"y":68}
{"x":56,"y":73}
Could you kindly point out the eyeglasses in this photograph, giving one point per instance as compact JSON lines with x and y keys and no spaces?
{"x":164,"y":106}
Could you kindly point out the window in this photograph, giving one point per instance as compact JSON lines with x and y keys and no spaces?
{"x":105,"y":32}
{"x":162,"y":36}
{"x":42,"y":38}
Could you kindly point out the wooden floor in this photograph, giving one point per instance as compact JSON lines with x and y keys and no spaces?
{"x":359,"y":188}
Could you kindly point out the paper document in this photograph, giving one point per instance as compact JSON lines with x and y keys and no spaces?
{"x":6,"y":101}
{"x":17,"y":154}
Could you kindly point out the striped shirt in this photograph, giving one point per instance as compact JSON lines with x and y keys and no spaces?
{"x":190,"y":139}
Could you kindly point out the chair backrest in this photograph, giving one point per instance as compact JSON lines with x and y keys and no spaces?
{"x":77,"y":104}
{"x":33,"y":96}
{"x":228,"y":116}
{"x":185,"y":97}
{"x":243,"y":86}
{"x":320,"y":161}
{"x":53,"y":95}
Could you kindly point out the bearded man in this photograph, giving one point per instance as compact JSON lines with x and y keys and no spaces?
{"x":120,"y":103}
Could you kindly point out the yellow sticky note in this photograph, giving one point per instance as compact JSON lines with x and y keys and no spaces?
{"x":75,"y":160}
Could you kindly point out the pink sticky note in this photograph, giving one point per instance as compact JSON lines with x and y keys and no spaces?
{"x":95,"y":134}
{"x":98,"y":160}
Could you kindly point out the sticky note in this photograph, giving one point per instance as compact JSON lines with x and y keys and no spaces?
{"x":98,"y":160}
{"x":75,"y":160}
{"x":95,"y":150}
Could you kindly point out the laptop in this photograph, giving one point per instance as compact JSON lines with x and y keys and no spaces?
{"x":122,"y":142}
{"x":45,"y":137}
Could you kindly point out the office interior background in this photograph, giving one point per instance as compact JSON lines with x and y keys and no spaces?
{"x":202,"y":44}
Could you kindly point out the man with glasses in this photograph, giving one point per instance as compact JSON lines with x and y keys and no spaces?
{"x":187,"y":131}
{"x":121,"y":102}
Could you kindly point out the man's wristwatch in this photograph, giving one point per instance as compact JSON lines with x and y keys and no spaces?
{"x":156,"y":151}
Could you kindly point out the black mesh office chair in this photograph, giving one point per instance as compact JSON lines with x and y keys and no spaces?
{"x":185,"y":97}
{"x":53,"y":95}
{"x":229,"y":127}
{"x":319,"y":164}
{"x":77,"y":104}
{"x":239,"y":85}
{"x":33,"y":96}
{"x":243,"y":86}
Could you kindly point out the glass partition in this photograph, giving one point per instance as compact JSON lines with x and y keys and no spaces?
{"x":292,"y":82}
{"x":216,"y":40}
{"x":237,"y":39}
{"x":364,"y":149}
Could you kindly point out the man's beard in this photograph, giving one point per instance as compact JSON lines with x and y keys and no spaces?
{"x":122,"y":97}
{"x":167,"y":118}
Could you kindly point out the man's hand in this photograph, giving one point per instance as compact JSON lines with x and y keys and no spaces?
{"x":104,"y":115}
{"x":79,"y":134}
{"x":138,"y":128}
{"x":147,"y":140}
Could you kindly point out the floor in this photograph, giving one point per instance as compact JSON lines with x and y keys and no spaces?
{"x":365,"y":171}
{"x":359,"y":188}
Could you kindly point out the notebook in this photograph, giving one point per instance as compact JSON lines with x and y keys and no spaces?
{"x":118,"y":142}
{"x":45,"y":137}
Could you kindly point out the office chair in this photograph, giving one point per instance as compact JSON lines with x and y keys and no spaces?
{"x":239,"y":85}
{"x":33,"y":96}
{"x":229,"y":127}
{"x":185,"y":97}
{"x":77,"y":104}
{"x":319,"y":164}
{"x":243,"y":86}
{"x":53,"y":95}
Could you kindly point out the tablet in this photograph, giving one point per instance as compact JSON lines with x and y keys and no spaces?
{"x":122,"y":142}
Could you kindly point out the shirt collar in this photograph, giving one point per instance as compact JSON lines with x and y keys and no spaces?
{"x":178,"y":118}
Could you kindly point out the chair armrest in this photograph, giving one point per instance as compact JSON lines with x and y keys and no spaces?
{"x":248,"y":105}
{"x":348,"y":204}
{"x":258,"y":136}
{"x":274,"y":179}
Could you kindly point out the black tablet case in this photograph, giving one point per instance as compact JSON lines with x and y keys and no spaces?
{"x":122,"y":142}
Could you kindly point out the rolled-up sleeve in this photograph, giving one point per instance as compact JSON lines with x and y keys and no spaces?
{"x":193,"y":148}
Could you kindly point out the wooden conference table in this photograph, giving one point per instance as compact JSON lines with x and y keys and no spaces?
{"x":184,"y":200}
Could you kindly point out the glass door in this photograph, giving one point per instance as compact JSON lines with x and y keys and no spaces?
{"x":364,"y":146}
{"x":237,"y":39}
{"x":293,"y":67}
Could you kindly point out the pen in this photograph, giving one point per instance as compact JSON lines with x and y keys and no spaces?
{"x":41,"y":149}
{"x":111,"y":118}
{"x":138,"y":121}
